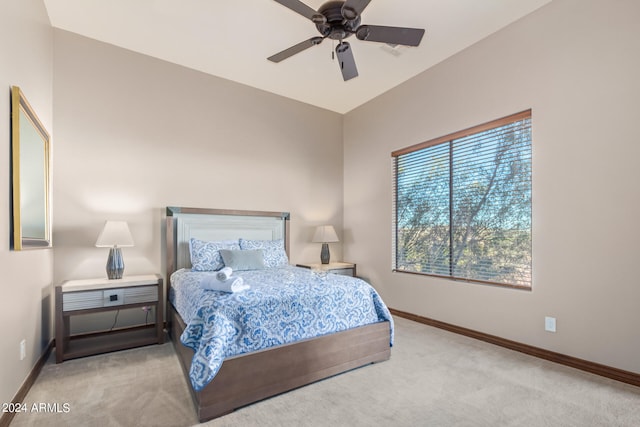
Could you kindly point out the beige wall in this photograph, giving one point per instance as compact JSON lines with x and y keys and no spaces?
{"x":26,"y":53}
{"x":576,"y":64}
{"x":135,"y":134}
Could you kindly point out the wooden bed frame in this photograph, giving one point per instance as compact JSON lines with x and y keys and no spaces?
{"x":251,"y":377}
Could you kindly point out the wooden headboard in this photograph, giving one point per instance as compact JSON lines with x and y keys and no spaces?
{"x":216,"y":225}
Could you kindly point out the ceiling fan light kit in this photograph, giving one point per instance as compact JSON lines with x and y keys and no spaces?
{"x":340,"y":19}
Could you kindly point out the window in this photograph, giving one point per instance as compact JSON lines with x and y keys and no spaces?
{"x":462,"y":204}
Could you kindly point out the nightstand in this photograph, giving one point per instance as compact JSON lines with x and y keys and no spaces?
{"x":344,"y":268}
{"x":75,"y":297}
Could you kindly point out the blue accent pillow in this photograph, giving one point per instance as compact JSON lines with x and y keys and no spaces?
{"x":274,"y":253}
{"x":205,"y":256}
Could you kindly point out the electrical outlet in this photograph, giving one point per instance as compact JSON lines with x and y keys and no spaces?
{"x":113,"y":297}
{"x":23,"y":349}
{"x":550,"y":324}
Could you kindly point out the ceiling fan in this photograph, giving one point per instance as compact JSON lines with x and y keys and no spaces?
{"x":339,"y":20}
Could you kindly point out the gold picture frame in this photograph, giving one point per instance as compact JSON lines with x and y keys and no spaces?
{"x":30,"y":161}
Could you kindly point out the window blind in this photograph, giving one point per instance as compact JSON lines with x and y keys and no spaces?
{"x":462,"y":204}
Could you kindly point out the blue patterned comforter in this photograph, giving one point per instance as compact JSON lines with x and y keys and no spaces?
{"x":284,"y":305}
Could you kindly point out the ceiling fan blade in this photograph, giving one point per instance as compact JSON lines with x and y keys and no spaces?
{"x":391,"y":35}
{"x":346,"y":61}
{"x":353,"y":8}
{"x":280,"y":56}
{"x":304,"y":10}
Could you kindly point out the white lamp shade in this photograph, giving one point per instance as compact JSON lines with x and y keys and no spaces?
{"x":115,"y":233}
{"x":325,"y":234}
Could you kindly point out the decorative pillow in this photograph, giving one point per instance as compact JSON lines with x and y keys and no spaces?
{"x":243,"y":260}
{"x":205,"y":256}
{"x":274,"y":253}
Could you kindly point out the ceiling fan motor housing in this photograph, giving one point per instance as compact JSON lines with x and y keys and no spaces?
{"x":336,"y":27}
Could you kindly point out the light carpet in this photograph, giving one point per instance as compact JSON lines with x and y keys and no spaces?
{"x":434,"y":378}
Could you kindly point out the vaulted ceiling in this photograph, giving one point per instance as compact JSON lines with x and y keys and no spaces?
{"x":233,"y":39}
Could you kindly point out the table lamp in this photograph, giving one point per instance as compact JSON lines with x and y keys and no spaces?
{"x":325,"y":234}
{"x":115,"y":235}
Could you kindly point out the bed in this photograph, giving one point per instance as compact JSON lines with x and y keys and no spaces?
{"x":251,"y":376}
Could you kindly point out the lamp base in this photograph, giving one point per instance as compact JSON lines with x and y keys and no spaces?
{"x":115,"y":264}
{"x":324,"y":254}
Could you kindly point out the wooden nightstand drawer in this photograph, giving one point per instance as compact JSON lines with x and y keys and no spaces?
{"x":344,"y":268}
{"x":85,"y":300}
{"x":140,"y":294}
{"x":343,"y":271}
{"x":82,"y":300}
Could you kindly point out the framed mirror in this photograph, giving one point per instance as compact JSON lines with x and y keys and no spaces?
{"x":30,"y":176}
